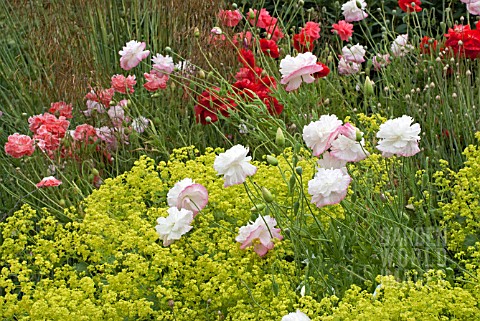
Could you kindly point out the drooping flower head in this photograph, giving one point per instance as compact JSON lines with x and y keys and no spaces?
{"x":399,"y":137}
{"x":260,"y":234}
{"x":354,"y":10}
{"x":328,"y":187}
{"x":188,"y":195}
{"x":234,"y":165}
{"x":320,"y":134}
{"x":294,"y":70}
{"x":132,"y":53}
{"x":19,"y":145}
{"x":176,"y":224}
{"x":49,"y":181}
{"x":343,"y":29}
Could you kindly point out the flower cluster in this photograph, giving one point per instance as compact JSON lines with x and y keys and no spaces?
{"x":304,"y":40}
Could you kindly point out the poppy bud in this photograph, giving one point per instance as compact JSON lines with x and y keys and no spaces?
{"x":267,"y":196}
{"x":280,"y":138}
{"x":272,"y":160}
{"x":257,"y":208}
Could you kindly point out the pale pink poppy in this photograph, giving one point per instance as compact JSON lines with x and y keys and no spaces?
{"x":294,"y":70}
{"x":132,"y":54}
{"x":348,"y":67}
{"x":260,"y":234}
{"x":349,"y":144}
{"x":155,"y":82}
{"x":188,"y":195}
{"x":354,"y":10}
{"x":162,"y":65}
{"x":320,"y":134}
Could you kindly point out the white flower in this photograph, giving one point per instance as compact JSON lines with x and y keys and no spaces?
{"x":216,"y":31}
{"x":173,"y":226}
{"x":354,"y":13}
{"x":140,"y":124}
{"x":188,"y":195}
{"x":348,"y":67}
{"x":132,"y":54}
{"x":162,"y":64}
{"x":400,"y":46}
{"x":117,"y":115}
{"x":319,"y":135}
{"x":328,"y":187}
{"x":354,"y":53}
{"x":296,"y":316}
{"x":235,"y":165}
{"x":294,"y":70}
{"x":348,"y":145}
{"x":399,"y":137}
{"x":329,"y":162}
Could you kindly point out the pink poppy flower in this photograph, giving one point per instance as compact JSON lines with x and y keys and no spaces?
{"x":260,"y":234}
{"x":312,"y":30}
{"x":62,"y":108}
{"x":123,"y":84}
{"x":155,"y":82}
{"x":132,"y":54}
{"x":261,"y":19}
{"x":320,"y":134}
{"x":229,"y":18}
{"x":294,"y":70}
{"x":49,"y":181}
{"x":19,"y":145}
{"x":328,"y":187}
{"x":188,"y":195}
{"x":85,"y":132}
{"x":343,"y":29}
{"x":93,"y":106}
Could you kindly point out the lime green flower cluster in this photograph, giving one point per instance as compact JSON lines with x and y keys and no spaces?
{"x":108,"y":262}
{"x":430,"y":299}
{"x":462,"y":212}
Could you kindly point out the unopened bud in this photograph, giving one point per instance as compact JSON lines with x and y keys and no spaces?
{"x":196,"y":32}
{"x":299,"y":170}
{"x":234,"y":6}
{"x":201,"y":74}
{"x":280,"y":138}
{"x":267,"y":196}
{"x":257,"y":208}
{"x":168,"y":49}
{"x":272,"y":160}
{"x":251,"y":14}
{"x":208,"y":119}
{"x":95,"y":172}
{"x":368,"y":86}
{"x":358,"y":135}
{"x":301,"y":2}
